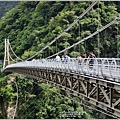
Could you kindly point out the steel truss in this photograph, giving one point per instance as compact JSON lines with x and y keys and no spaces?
{"x":99,"y":92}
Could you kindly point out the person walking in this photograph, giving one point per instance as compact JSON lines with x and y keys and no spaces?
{"x":84,"y":55}
{"x":91,"y":58}
{"x":66,"y":58}
{"x":58,"y":58}
{"x":79,"y":59}
{"x":62,"y":58}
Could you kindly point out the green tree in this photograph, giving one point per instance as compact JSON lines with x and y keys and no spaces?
{"x":45,"y":101}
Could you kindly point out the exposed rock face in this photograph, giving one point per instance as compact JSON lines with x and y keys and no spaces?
{"x":10,"y":111}
{"x":11,"y":107}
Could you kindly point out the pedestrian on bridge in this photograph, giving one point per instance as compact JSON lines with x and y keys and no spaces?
{"x":84,"y":55}
{"x":62,"y":59}
{"x":79,"y":59}
{"x":58,"y":58}
{"x":66,"y":58}
{"x":91,"y":58}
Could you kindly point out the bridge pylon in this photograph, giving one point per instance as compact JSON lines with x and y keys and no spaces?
{"x":6,"y":54}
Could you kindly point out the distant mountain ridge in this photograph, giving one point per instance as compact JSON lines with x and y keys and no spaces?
{"x":5,"y":6}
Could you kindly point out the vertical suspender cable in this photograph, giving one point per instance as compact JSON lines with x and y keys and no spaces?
{"x":79,"y":36}
{"x":56,"y":47}
{"x":74,"y":39}
{"x":98,"y":33}
{"x":49,"y":51}
{"x":117,"y":42}
{"x":48,"y":38}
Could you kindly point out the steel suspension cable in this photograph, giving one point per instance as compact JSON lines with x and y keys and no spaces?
{"x":75,"y":21}
{"x":12,"y":58}
{"x":14,"y":52}
{"x":84,"y":39}
{"x":117,"y":42}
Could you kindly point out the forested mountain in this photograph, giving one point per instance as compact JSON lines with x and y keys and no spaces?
{"x":5,"y":6}
{"x":30,"y":26}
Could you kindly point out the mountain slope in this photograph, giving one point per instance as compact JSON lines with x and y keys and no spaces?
{"x":31,"y":25}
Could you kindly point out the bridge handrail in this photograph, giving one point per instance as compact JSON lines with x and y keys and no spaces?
{"x":108,"y":68}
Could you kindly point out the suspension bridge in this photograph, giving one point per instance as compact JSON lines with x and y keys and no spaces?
{"x":98,"y":84}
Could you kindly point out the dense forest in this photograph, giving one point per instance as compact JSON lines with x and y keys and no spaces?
{"x":30,"y":26}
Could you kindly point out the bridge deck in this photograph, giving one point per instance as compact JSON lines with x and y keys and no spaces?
{"x":102,"y":67}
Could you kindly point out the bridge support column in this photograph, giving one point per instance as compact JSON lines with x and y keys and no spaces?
{"x":6,"y":54}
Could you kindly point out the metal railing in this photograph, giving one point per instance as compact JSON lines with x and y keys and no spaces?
{"x":107,"y":68}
